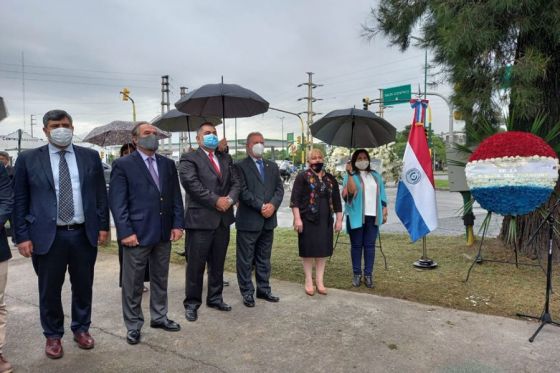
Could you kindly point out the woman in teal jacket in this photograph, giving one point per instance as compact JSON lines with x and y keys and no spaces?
{"x":365,"y":210}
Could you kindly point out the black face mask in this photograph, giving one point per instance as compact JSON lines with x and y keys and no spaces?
{"x":317,"y":167}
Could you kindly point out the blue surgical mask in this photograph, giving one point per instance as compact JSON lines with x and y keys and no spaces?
{"x":210,"y":141}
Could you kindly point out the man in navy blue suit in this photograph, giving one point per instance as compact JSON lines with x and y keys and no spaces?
{"x":147,"y":207}
{"x":6,"y":205}
{"x":60,"y":216}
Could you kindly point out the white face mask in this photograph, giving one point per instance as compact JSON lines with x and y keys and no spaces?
{"x":61,"y":136}
{"x":258,"y":150}
{"x":362,"y":165}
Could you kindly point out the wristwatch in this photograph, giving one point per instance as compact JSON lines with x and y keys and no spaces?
{"x":230,"y":200}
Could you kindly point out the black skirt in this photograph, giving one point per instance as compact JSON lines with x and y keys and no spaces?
{"x":316,"y":240}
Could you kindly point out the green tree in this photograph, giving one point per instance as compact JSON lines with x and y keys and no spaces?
{"x":495,"y":54}
{"x":478,"y":44}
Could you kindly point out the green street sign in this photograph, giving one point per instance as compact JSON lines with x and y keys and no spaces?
{"x":397,"y":95}
{"x":290,"y":137}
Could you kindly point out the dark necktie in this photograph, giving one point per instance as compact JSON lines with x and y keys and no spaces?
{"x":213,"y":161}
{"x":260,"y":166}
{"x":153,"y":171}
{"x":65,"y":196}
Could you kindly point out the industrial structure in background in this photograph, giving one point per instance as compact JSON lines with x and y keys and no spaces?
{"x":310,"y":113}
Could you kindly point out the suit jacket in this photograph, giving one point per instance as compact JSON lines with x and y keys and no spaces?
{"x":6,"y":206}
{"x":204,"y":186}
{"x":138,"y":206}
{"x":35,"y":208}
{"x":255,"y":193}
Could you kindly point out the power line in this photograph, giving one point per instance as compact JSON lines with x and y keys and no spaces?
{"x":85,"y":70}
{"x":73,"y":76}
{"x":74,"y":83}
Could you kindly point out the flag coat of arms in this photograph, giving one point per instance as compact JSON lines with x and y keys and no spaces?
{"x":416,"y":197}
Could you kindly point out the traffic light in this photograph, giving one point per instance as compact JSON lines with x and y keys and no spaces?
{"x":298,"y":140}
{"x":125,"y":92}
{"x":365,"y":100}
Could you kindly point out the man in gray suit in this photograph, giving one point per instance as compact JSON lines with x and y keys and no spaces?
{"x":260,"y":198}
{"x":211,"y":183}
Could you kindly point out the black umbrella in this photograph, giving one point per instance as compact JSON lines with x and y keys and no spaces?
{"x":177,"y":121}
{"x":222,"y":100}
{"x":353,"y":128}
{"x":3,"y":111}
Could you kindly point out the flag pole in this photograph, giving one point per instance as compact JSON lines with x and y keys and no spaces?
{"x":424,"y":262}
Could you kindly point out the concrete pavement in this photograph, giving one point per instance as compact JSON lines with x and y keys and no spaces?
{"x":341,"y":332}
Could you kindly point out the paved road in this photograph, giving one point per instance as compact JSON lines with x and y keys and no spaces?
{"x":341,"y":332}
{"x":449,"y":213}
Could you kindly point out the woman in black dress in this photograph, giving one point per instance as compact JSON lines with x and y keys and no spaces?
{"x":315,"y":198}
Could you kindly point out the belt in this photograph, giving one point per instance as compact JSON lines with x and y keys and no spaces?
{"x":70,"y":227}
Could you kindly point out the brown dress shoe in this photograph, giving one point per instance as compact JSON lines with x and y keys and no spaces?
{"x":53,"y":349}
{"x":84,"y":340}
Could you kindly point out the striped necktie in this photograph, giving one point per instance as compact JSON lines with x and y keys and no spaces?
{"x":65,"y":196}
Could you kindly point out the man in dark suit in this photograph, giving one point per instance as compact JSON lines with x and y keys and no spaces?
{"x":260,"y":198}
{"x":6,"y":205}
{"x":147,"y":207}
{"x":212,"y":186}
{"x":5,"y":160}
{"x":60,"y":216}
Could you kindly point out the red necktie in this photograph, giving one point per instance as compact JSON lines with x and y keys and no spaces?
{"x":211,"y":155}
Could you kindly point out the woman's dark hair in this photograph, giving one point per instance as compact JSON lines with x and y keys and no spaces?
{"x":355,"y":158}
{"x":129,"y":146}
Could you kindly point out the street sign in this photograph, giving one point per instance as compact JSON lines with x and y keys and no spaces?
{"x":290,"y":137}
{"x":397,"y":95}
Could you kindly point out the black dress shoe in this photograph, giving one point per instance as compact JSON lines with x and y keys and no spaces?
{"x":167,"y":325}
{"x":248,"y":300}
{"x":191,"y":313}
{"x":221,"y":306}
{"x":356,"y":281}
{"x":133,"y":337}
{"x":226,"y":283}
{"x":268,"y":297}
{"x":369,"y":282}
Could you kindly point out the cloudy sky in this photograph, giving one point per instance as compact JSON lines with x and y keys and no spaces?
{"x":78,"y":55}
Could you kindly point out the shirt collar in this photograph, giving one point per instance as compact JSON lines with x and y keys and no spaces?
{"x":256,"y":159}
{"x":207,"y":152}
{"x":54,"y":150}
{"x":144,"y":155}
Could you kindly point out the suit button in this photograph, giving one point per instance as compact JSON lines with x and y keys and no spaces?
{"x":53,"y":219}
{"x":161,"y":213}
{"x":161,"y":199}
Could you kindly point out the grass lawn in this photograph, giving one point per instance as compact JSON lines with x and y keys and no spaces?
{"x":493,"y":288}
{"x":442,"y":183}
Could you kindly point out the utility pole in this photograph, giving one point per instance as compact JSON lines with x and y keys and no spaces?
{"x":182,"y":135}
{"x":282,"y":119}
{"x":164,"y":94}
{"x":23,"y":86}
{"x":32,"y":123}
{"x":381,"y":105}
{"x":165,"y":101}
{"x":310,"y":100}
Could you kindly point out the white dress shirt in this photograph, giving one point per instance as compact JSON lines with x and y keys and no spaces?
{"x":145,"y":158}
{"x":213,"y":157}
{"x":74,"y":178}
